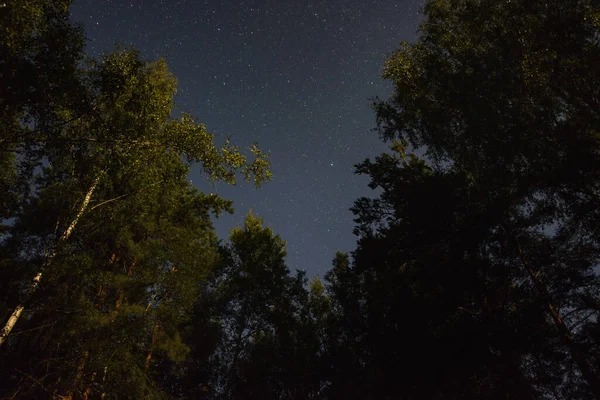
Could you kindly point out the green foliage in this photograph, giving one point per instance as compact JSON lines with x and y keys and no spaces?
{"x":475,"y":272}
{"x":116,"y":295}
{"x":265,"y":321}
{"x":502,"y":86}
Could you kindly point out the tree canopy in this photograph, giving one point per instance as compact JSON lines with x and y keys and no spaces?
{"x":475,"y":272}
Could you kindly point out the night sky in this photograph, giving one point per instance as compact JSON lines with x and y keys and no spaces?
{"x":294,"y":75}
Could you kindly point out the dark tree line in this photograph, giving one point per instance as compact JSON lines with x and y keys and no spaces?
{"x":475,"y":273}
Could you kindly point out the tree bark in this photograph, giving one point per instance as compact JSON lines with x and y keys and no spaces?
{"x":121,"y":294}
{"x":575,"y":349}
{"x":156,"y":325}
{"x":79,"y":375}
{"x":88,"y":390}
{"x":152,"y":343}
{"x":16,"y":314}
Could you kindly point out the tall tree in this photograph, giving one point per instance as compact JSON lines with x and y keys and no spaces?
{"x":130,"y":125}
{"x":430,"y":286}
{"x":503,"y":95}
{"x":40,"y":52}
{"x":260,"y":316}
{"x":112,"y":193}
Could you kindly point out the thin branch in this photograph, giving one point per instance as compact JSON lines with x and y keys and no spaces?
{"x":125,"y":195}
{"x":110,"y":200}
{"x":582,"y":320}
{"x":32,"y":329}
{"x":33,"y":379}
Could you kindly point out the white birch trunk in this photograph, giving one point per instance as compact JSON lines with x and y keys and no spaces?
{"x":16,"y":314}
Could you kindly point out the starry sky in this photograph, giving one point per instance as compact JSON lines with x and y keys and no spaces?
{"x":296,"y":76}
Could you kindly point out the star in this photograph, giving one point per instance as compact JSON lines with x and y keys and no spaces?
{"x":283,"y":77}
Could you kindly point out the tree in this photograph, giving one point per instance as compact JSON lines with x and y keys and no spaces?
{"x":511,"y":79}
{"x":131,"y":126}
{"x":429,"y":285}
{"x":100,"y":217}
{"x":501,"y":94}
{"x":112,"y":191}
{"x":40,"y":51}
{"x":259,"y":308}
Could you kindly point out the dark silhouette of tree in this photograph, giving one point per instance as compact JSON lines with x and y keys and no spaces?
{"x":500,"y":97}
{"x":475,"y":271}
{"x":260,"y":313}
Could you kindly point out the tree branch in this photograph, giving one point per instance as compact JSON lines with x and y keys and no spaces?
{"x":125,"y":195}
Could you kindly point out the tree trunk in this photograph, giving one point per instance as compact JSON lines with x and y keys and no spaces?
{"x":103,"y":382}
{"x":152,"y":343}
{"x":88,"y":390}
{"x":79,"y":375}
{"x":156,"y":327}
{"x":16,"y":314}
{"x":237,"y":346}
{"x":575,"y":349}
{"x":121,"y":294}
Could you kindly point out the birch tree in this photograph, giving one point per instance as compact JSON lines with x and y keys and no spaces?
{"x":124,"y":149}
{"x":131,"y":125}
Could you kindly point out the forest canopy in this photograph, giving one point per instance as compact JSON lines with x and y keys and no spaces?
{"x":475,"y":271}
